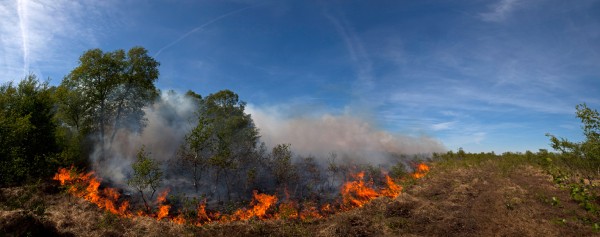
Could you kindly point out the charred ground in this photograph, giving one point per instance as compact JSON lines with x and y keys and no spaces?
{"x":463,"y":195}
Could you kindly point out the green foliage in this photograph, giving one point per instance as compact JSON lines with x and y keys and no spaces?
{"x":146,"y":175}
{"x":585,"y":197}
{"x":108,"y":91}
{"x":27,"y":131}
{"x":398,"y":171}
{"x":283,"y":170}
{"x":585,"y":154}
{"x":224,"y":139}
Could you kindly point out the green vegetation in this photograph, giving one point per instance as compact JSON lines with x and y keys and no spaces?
{"x":585,"y":155}
{"x":107,"y":92}
{"x":28,"y":145}
{"x":146,"y":175}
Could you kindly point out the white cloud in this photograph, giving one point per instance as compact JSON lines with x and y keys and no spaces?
{"x":46,"y":36}
{"x":499,"y":11}
{"x":443,"y":126}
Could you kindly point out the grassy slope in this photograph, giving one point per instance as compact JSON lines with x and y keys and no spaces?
{"x":459,"y":197}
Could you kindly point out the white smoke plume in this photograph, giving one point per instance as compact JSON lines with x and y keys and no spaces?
{"x":172,"y":117}
{"x":168,"y":121}
{"x":344,"y":135}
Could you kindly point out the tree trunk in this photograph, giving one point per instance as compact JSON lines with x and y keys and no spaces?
{"x":145,"y":202}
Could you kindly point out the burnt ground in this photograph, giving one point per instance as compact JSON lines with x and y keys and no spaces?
{"x":452,"y":200}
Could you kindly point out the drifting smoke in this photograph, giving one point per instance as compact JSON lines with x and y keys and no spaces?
{"x":344,"y":135}
{"x":169,"y":119}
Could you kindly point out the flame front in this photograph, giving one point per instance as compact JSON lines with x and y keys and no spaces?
{"x":392,"y":190}
{"x":87,"y":186}
{"x":420,"y":171}
{"x":354,"y":193}
{"x":163,"y":209}
{"x":260,"y":204}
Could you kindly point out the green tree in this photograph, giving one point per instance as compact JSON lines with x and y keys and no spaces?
{"x":107,"y":91}
{"x":27,"y":131}
{"x":283,"y":169}
{"x":146,"y":176}
{"x":589,"y":149}
{"x":223,"y":140}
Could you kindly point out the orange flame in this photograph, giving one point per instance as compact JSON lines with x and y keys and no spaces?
{"x":88,"y":187}
{"x":392,"y":190}
{"x":179,"y":219}
{"x":163,"y":209}
{"x":202,"y":215}
{"x":260,"y":204}
{"x":354,"y":193}
{"x":420,"y":171}
{"x":310,"y":212}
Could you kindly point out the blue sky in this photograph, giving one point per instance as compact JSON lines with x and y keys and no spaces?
{"x":482,"y":75}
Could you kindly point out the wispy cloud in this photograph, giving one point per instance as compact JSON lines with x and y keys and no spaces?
{"x":442,"y":126}
{"x":22,"y":12}
{"x":500,"y":11}
{"x":201,"y":27}
{"x":358,"y":54}
{"x":39,"y":36}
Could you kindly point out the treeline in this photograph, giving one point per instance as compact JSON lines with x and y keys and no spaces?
{"x":45,"y":127}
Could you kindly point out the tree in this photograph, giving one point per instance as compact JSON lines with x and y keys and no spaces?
{"x":146,"y":175}
{"x":223,"y":140}
{"x":27,"y":128}
{"x":588,"y":150}
{"x":107,"y":91}
{"x":283,"y":169}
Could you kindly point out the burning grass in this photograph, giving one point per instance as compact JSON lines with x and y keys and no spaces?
{"x":354,"y":193}
{"x":454,"y":199}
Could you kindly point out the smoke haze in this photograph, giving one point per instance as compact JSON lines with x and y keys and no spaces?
{"x":168,"y":121}
{"x":171,"y":117}
{"x":342,"y":134}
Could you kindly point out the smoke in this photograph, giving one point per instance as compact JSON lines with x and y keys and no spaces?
{"x":344,"y":135}
{"x":172,"y":116}
{"x":169,"y":119}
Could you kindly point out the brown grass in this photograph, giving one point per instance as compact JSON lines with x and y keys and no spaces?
{"x":479,"y":200}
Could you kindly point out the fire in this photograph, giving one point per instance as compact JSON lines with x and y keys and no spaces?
{"x":354,"y":193}
{"x":393,"y":190}
{"x":179,"y":219}
{"x":87,"y":186}
{"x":420,"y":171}
{"x":260,"y":204}
{"x":163,"y":209}
{"x":202,"y":216}
{"x":309,"y":212}
{"x":63,"y":176}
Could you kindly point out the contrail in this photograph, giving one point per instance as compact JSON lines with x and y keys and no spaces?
{"x":22,"y":13}
{"x":202,"y":27}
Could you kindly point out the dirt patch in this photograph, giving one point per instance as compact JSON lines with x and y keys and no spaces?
{"x":481,"y":201}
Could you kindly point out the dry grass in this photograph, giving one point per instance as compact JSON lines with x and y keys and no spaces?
{"x":474,"y":200}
